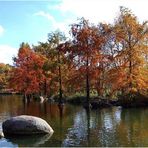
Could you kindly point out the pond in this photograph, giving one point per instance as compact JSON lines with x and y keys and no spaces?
{"x":74,"y":126}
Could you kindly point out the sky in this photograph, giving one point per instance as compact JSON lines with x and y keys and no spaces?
{"x":31,"y":20}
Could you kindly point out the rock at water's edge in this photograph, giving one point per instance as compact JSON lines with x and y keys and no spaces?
{"x":26,"y":125}
{"x":1,"y":135}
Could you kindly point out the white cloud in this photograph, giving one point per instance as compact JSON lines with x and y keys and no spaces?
{"x":46,"y":15}
{"x":56,"y":25}
{"x":102,"y":10}
{"x":6,"y":54}
{"x":1,"y":30}
{"x":94,"y":10}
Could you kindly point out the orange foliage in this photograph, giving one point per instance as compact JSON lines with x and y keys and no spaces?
{"x":28,"y":75}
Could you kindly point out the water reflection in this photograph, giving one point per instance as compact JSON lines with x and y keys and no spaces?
{"x":76,"y":126}
{"x":61,"y":111}
{"x":136,"y":127}
{"x":34,"y":140}
{"x":94,"y":128}
{"x":88,"y":126}
{"x":78,"y":131}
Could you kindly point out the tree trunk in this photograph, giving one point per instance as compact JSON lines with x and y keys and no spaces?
{"x":130,"y":67}
{"x":130,"y":61}
{"x":60,"y":81}
{"x":60,"y":85}
{"x":45,"y":88}
{"x":87,"y":82}
{"x":130,"y":72}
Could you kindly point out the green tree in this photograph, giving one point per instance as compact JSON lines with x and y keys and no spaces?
{"x":55,"y":65}
{"x":4,"y":75}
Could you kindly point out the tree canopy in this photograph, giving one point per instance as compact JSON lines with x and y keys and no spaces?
{"x":106,"y":59}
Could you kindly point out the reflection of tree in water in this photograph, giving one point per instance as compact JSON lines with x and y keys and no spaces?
{"x":134,"y":127}
{"x":80,"y":131}
{"x":61,"y":109}
{"x":74,"y":126}
{"x":93,"y":128}
{"x":9,"y":104}
{"x":109,"y":119}
{"x":25,"y":105}
{"x":88,"y":126}
{"x":43,"y":109}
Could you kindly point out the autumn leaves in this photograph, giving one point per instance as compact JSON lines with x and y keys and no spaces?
{"x":109,"y":59}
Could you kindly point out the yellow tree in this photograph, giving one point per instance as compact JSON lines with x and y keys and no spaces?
{"x":132,"y":49}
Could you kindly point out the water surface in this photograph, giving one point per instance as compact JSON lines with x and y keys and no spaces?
{"x":74,"y":126}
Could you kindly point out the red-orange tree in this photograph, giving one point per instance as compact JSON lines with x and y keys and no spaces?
{"x":28,"y":75}
{"x":87,"y":42}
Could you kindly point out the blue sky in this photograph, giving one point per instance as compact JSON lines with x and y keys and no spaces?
{"x":23,"y":21}
{"x":31,"y":21}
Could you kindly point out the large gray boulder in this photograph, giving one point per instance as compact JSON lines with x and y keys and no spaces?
{"x":26,"y":125}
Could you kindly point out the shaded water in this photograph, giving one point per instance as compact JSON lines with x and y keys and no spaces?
{"x":74,"y":126}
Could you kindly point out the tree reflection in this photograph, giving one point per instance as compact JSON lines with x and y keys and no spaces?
{"x":61,"y":110}
{"x":26,"y":103}
{"x":76,"y":126}
{"x":43,"y":108}
{"x":88,"y":125}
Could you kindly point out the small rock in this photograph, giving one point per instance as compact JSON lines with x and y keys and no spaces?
{"x":42,"y":99}
{"x":1,"y":135}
